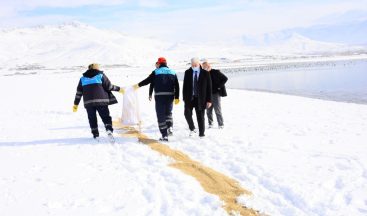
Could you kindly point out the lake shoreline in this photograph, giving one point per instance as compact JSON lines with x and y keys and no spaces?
{"x":304,"y":96}
{"x":342,"y":81}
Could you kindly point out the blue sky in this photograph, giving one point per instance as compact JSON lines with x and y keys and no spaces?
{"x":183,"y":20}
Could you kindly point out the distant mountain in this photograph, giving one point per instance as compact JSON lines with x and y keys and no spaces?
{"x":290,"y":42}
{"x":78,"y":44}
{"x":348,"y":33}
{"x":74,"y":44}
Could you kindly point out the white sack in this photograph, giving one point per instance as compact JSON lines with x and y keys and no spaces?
{"x":130,"y":108}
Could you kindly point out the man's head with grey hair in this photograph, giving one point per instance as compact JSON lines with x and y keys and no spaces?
{"x":195,"y":62}
{"x":206,"y":65}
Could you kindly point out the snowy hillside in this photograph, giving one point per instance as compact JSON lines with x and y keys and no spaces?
{"x":290,"y":42}
{"x":348,"y":33}
{"x":77,"y":44}
{"x":71,"y":45}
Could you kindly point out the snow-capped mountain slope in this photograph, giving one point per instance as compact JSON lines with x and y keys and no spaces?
{"x":323,"y":37}
{"x":297,"y":43}
{"x":291,"y":42}
{"x":78,"y":44}
{"x":73,"y":44}
{"x":349,"y":33}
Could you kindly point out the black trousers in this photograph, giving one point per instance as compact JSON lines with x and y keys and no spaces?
{"x":104,"y":113}
{"x":163,"y":108}
{"x":200,"y":116}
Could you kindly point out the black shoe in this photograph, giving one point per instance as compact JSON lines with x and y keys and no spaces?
{"x":163,"y":139}
{"x":201,"y":136}
{"x":210,"y":125}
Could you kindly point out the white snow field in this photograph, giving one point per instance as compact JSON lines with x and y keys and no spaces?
{"x":298,"y":156}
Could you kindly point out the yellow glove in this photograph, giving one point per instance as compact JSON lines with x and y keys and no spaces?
{"x":122,"y":91}
{"x":75,"y":108}
{"x":177,"y":101}
{"x":136,"y":86}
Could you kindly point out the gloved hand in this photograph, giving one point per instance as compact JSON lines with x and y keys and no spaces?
{"x":122,"y":91}
{"x":177,"y":101}
{"x":136,"y":86}
{"x":75,"y":108}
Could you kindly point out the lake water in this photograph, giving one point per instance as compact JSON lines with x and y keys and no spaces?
{"x":339,"y":81}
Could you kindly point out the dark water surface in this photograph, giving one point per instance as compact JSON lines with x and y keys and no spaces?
{"x":340,"y":81}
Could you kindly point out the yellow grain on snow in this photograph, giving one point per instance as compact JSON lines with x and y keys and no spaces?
{"x":214,"y":182}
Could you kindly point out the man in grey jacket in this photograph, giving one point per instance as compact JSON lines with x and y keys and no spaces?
{"x":218,"y":90}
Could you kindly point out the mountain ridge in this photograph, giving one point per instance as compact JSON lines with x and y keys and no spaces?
{"x":76,"y":43}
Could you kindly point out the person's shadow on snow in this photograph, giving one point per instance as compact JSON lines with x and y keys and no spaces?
{"x":68,"y":141}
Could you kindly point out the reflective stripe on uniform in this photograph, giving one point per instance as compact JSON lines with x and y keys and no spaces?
{"x":97,"y":101}
{"x":97,"y":79}
{"x":164,"y":93}
{"x":164,"y":71}
{"x":163,"y":127}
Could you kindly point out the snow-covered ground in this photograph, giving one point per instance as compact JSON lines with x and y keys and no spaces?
{"x":298,"y":156}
